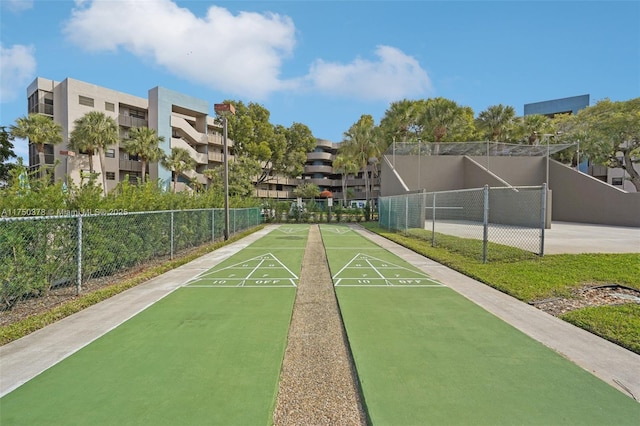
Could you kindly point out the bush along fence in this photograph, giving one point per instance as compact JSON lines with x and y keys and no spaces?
{"x":319,"y":210}
{"x":41,"y":254}
{"x":510,"y":216}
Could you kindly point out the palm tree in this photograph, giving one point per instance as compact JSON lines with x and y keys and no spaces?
{"x":401,"y":121}
{"x":496,"y":121}
{"x":363,"y":146}
{"x":535,"y":125}
{"x":93,"y":132}
{"x":143,"y":142}
{"x":40,"y":130}
{"x":345,"y":166}
{"x":179,"y":161}
{"x":440,"y":117}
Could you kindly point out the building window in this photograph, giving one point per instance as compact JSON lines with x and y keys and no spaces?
{"x":616,"y":181}
{"x":110,"y":153}
{"x":109,"y":106}
{"x":111,"y":175}
{"x":86,"y":101}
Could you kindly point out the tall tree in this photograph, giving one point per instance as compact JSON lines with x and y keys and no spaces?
{"x":496,"y":121}
{"x":6,"y":154}
{"x":179,"y":161}
{"x":609,"y":134}
{"x":345,"y":166}
{"x":530,"y":128}
{"x":94,"y":131}
{"x":144,"y":142}
{"x":401,"y":122}
{"x":363,"y":144}
{"x":242,"y":171}
{"x":307,"y":190}
{"x":440,"y":118}
{"x":278,"y":150}
{"x":40,"y":130}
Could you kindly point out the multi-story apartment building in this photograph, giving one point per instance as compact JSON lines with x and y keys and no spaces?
{"x":182,"y":121}
{"x":319,"y":170}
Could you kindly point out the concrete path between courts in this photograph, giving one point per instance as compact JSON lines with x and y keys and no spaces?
{"x":25,"y":358}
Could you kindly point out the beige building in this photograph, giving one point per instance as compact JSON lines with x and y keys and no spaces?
{"x":183,"y":121}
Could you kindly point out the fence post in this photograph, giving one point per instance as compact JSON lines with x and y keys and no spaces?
{"x":433,"y":221}
{"x":79,"y":279}
{"x":485,"y":231}
{"x":543,"y":219}
{"x":213,"y":225}
{"x":406,"y":215}
{"x":171,"y":253}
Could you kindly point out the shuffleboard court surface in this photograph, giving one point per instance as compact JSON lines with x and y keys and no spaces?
{"x":202,"y":355}
{"x":426,"y":355}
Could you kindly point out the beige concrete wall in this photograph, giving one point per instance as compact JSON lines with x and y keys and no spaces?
{"x":578,"y":197}
{"x":517,"y":171}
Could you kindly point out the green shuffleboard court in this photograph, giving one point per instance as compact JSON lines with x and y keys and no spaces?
{"x":208,"y":353}
{"x":426,"y":355}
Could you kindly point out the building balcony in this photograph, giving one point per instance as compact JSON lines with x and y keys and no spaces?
{"x":268,"y":193}
{"x":42,"y":108}
{"x":127,"y":121}
{"x":323,"y":156}
{"x":325,"y":144}
{"x":327,"y":170}
{"x":130,"y":165}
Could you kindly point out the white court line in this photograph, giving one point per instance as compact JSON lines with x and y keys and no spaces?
{"x":365,"y":258}
{"x":394,"y":285}
{"x":378,"y":272}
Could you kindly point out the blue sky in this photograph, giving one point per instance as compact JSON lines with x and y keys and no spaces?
{"x":325,"y":63}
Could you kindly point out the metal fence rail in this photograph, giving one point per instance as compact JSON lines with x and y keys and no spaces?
{"x":41,"y":254}
{"x":513,"y":216}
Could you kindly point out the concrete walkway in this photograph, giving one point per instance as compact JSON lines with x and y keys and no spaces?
{"x":24,"y":359}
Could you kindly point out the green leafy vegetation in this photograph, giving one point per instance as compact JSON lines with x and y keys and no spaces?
{"x":529,"y":278}
{"x":28,"y":325}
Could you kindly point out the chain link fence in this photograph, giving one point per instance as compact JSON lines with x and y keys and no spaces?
{"x":49,"y":256}
{"x":511,"y":216}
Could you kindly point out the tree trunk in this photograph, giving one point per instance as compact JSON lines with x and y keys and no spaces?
{"x":41,"y":165}
{"x":103,"y":172}
{"x":344,"y":189}
{"x":634,"y":177}
{"x":90,"y":154}
{"x":144,"y":170}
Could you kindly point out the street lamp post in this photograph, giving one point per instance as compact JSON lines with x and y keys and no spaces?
{"x":224,"y":110}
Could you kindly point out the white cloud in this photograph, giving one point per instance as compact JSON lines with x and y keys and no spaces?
{"x":240,"y":54}
{"x":18,"y":5}
{"x":17,"y":69}
{"x":393,"y":76}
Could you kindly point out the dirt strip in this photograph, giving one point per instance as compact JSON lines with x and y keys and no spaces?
{"x":318,"y":384}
